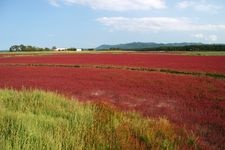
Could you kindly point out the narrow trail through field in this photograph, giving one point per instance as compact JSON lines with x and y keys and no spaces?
{"x":142,"y":69}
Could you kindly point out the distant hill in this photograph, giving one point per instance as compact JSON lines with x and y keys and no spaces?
{"x":141,"y":45}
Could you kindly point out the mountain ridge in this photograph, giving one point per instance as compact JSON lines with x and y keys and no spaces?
{"x":143,"y":45}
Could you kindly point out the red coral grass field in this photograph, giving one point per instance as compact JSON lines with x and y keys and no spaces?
{"x":178,"y":62}
{"x":194,"y":102}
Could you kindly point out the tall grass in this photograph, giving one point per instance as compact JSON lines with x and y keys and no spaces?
{"x":44,"y":120}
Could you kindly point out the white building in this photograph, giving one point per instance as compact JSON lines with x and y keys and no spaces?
{"x":60,"y":49}
{"x":79,"y":49}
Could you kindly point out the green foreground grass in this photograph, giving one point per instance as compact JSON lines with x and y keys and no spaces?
{"x":44,"y":120}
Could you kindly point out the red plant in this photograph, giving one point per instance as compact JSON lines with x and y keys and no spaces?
{"x":196,"y":102}
{"x":182,"y":63}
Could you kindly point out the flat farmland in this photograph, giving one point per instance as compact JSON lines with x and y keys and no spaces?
{"x":214,"y":64}
{"x":191,"y":101}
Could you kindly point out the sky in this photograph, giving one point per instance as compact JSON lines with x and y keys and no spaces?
{"x":90,"y":23}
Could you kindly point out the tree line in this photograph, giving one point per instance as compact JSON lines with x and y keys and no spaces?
{"x":203,"y":47}
{"x":18,"y":48}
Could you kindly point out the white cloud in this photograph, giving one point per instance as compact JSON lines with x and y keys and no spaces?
{"x":212,"y":38}
{"x":198,"y":35}
{"x":115,"y":5}
{"x":185,"y":4}
{"x":201,"y":5}
{"x":156,"y":24}
{"x":54,"y":3}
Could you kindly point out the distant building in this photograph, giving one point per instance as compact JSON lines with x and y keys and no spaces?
{"x":60,"y":49}
{"x":79,"y":49}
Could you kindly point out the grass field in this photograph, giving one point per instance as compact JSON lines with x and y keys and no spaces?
{"x":148,"y":82}
{"x":40,"y":120}
{"x":206,"y":53}
{"x":192,"y":53}
{"x":212,"y":64}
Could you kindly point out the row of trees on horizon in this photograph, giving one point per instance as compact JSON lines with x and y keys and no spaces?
{"x":203,"y":47}
{"x":17,"y":48}
{"x":24,"y":48}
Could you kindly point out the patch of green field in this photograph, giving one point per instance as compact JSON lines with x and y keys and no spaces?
{"x":43,"y":53}
{"x":39,"y":53}
{"x":192,"y":53}
{"x":44,"y":120}
{"x":206,"y":53}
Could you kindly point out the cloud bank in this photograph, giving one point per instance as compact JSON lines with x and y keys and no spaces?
{"x":201,"y":6}
{"x":201,"y":36}
{"x":156,"y":24}
{"x":54,"y":3}
{"x":115,"y":5}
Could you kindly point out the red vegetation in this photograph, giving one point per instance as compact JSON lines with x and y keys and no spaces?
{"x":214,"y":64}
{"x":198,"y":103}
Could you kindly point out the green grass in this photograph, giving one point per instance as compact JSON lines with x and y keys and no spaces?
{"x":44,"y":120}
{"x":32,"y":53}
{"x":40,"y":53}
{"x":44,"y":53}
{"x":204,"y":53}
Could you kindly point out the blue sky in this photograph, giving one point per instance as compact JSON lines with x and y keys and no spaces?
{"x":90,"y":23}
